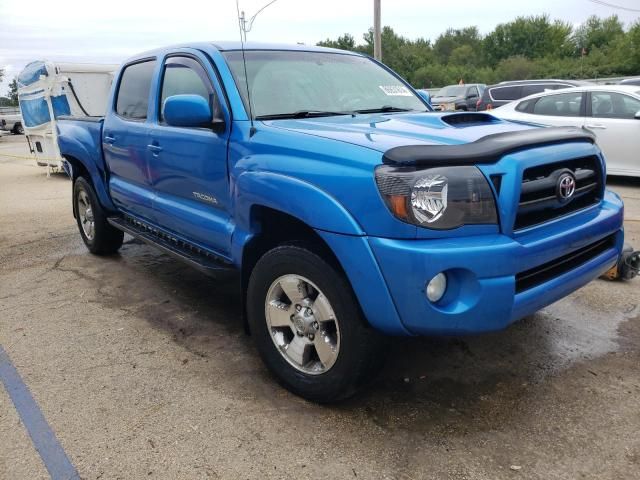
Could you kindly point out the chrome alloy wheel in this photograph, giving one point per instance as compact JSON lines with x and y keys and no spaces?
{"x":302,"y":324}
{"x":86,"y":215}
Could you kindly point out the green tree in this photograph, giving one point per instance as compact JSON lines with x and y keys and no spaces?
{"x":344,"y":42}
{"x":13,"y":92}
{"x":452,"y":39}
{"x":527,"y":47}
{"x":463,"y":55}
{"x":517,"y":67}
{"x":530,"y":37}
{"x":401,"y":54}
{"x":597,"y":32}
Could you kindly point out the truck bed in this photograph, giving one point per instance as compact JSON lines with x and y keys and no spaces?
{"x":82,"y":135}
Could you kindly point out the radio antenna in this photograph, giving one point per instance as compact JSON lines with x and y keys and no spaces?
{"x":243,"y":37}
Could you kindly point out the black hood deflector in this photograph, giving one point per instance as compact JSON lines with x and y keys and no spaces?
{"x":485,"y":150}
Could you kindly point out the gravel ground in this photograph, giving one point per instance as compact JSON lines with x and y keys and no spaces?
{"x":141,"y":368}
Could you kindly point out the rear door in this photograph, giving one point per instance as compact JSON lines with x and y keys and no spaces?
{"x":188,"y":165}
{"x":125,"y":138}
{"x":611,"y":116}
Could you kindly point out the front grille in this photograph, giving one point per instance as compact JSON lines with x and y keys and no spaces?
{"x":539,"y":202}
{"x":543,"y":273}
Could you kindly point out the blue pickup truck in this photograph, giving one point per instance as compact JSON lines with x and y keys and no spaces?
{"x":343,"y":206}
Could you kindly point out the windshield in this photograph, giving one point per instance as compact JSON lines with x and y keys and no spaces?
{"x":288,"y":82}
{"x":451,"y":91}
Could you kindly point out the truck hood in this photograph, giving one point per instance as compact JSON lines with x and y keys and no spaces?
{"x":382,"y":132}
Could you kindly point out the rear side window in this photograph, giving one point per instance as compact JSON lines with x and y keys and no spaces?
{"x":506,"y":93}
{"x":561,"y":105}
{"x":537,"y":88}
{"x":133,"y":92}
{"x":526,"y":106}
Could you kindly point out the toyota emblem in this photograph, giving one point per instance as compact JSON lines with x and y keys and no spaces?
{"x":566,"y":186}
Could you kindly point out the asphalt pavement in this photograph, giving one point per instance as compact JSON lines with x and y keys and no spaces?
{"x":139,"y":367}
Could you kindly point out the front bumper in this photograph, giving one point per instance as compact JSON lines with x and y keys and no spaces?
{"x":482,"y":293}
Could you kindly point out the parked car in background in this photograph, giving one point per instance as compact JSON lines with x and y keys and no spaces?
{"x":611,"y":112}
{"x":502,"y":93}
{"x":11,"y":120}
{"x":630,"y":81}
{"x":458,"y":97}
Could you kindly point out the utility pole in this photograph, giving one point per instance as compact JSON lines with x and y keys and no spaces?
{"x":377,"y":34}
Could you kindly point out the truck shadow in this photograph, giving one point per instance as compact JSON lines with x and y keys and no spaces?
{"x":425,"y":380}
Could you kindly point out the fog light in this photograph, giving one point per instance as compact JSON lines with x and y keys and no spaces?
{"x":436,"y":287}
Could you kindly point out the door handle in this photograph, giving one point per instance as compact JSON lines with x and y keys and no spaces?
{"x":597,"y":125}
{"x":155,"y":149}
{"x":109,"y":139}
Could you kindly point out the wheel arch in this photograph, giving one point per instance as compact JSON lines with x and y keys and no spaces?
{"x":88,"y":170}
{"x":272,"y":228}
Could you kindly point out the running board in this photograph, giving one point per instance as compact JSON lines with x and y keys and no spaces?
{"x":197,"y":257}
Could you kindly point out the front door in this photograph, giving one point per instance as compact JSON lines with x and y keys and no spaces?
{"x":188,"y":166}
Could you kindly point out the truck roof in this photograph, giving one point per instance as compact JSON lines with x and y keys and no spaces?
{"x":225,"y":46}
{"x":236,"y":45}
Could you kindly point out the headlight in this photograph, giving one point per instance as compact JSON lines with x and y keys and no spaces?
{"x":438,"y":198}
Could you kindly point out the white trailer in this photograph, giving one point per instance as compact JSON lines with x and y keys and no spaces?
{"x":48,"y":90}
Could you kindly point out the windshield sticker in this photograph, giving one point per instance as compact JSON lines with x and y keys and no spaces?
{"x":395,"y":90}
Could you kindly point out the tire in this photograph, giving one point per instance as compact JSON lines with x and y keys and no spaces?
{"x":98,"y":235}
{"x":18,"y":129}
{"x":355,"y":352}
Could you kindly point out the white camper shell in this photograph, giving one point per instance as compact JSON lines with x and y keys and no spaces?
{"x":48,"y":90}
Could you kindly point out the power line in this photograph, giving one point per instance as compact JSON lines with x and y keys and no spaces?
{"x":605,"y":4}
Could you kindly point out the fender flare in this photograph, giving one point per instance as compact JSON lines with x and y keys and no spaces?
{"x":298,"y":198}
{"x":74,"y":149}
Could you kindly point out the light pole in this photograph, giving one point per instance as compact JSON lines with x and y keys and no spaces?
{"x":377,"y":35}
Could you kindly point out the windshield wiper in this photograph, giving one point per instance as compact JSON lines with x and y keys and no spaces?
{"x":384,"y":109}
{"x":301,"y":114}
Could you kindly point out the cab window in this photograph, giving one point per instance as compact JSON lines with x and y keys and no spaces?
{"x":132,"y":99}
{"x":561,"y":105}
{"x":184,"y":75}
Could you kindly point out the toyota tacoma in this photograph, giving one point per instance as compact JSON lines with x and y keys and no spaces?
{"x":344,"y":207}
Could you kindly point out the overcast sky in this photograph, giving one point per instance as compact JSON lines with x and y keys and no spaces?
{"x":108,"y":31}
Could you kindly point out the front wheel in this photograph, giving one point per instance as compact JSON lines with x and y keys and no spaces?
{"x":308,"y":327}
{"x":96,"y":232}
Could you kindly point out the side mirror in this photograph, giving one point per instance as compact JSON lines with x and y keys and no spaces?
{"x":425,"y":96}
{"x":188,"y":111}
